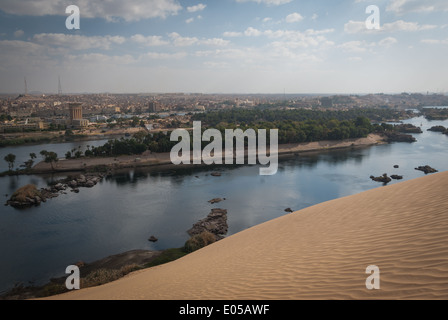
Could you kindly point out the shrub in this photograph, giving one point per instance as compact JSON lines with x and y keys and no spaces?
{"x":199,"y":241}
{"x":28,"y":191}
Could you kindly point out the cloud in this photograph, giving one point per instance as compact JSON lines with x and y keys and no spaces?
{"x":406,"y":6}
{"x":252,"y":32}
{"x":232,"y":34}
{"x":434,"y":41}
{"x":268,"y":2}
{"x":165,"y":56}
{"x":19,"y":33}
{"x":396,"y":26}
{"x":77,"y":42}
{"x":149,"y":40}
{"x":131,"y":10}
{"x":387,"y":42}
{"x":179,"y":41}
{"x":196,"y":8}
{"x":189,"y":20}
{"x":294,"y":17}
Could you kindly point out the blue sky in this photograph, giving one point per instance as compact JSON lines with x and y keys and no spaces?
{"x":224,"y":46}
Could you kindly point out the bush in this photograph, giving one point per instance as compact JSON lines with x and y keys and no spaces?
{"x":199,"y":241}
{"x":28,"y":191}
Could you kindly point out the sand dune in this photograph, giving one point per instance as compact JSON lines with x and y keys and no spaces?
{"x":321,"y":252}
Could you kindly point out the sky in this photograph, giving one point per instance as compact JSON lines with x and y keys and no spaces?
{"x":224,"y":46}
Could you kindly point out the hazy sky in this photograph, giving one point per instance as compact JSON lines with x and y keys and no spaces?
{"x":224,"y":46}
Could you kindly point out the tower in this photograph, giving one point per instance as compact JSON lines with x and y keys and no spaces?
{"x":59,"y":86}
{"x":75,"y":111}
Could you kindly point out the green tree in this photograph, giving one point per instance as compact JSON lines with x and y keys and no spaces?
{"x":50,"y":157}
{"x":10,"y":158}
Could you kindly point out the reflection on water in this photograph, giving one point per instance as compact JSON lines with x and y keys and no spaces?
{"x":122,"y":211}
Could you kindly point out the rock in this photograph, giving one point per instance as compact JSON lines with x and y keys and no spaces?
{"x":399,"y":137}
{"x":89,"y":184}
{"x":153,"y":239}
{"x":396,"y":177}
{"x":75,"y":190}
{"x":396,"y":166}
{"x":215,"y":223}
{"x":438,"y":129}
{"x":408,"y":128}
{"x":215,"y":174}
{"x":289,"y":210}
{"x":72,"y":184}
{"x":215,"y":200}
{"x":59,"y":187}
{"x":384,"y":178}
{"x":426,"y":169}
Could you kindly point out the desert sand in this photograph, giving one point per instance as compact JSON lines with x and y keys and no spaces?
{"x":321,"y":252}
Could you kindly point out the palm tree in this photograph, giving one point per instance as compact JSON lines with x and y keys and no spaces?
{"x":10,"y":158}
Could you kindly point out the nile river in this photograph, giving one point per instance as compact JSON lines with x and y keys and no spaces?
{"x":123,"y":211}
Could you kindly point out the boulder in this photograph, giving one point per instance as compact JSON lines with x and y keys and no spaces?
{"x":426,"y":169}
{"x":396,"y":177}
{"x":153,"y":239}
{"x":384,"y":178}
{"x":215,"y":200}
{"x":215,"y":223}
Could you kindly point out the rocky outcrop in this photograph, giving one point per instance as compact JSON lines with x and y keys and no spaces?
{"x":438,"y":129}
{"x":215,"y":223}
{"x":216,"y":200}
{"x":396,"y":177}
{"x":384,"y":178}
{"x":399,"y":137}
{"x":426,"y":169}
{"x":29,"y":195}
{"x":408,"y":128}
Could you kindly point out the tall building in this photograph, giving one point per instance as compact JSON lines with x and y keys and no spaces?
{"x":76,"y":119}
{"x":154,"y":106}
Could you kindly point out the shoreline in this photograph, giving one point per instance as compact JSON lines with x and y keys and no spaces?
{"x":162,"y":160}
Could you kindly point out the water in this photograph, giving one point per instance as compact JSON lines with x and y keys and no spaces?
{"x":122,"y":212}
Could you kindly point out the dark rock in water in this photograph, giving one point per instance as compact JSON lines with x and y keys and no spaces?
{"x":289,"y":210}
{"x":396,"y":177}
{"x":396,"y":166}
{"x":408,"y":128}
{"x":153,"y":239}
{"x":438,"y":129}
{"x":384,"y":178}
{"x":399,"y":137}
{"x":215,"y":174}
{"x":426,"y":169}
{"x":215,"y":223}
{"x":215,"y":200}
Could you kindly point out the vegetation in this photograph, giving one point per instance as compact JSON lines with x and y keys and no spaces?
{"x":50,"y":157}
{"x":199,"y":241}
{"x":28,"y":191}
{"x":10,"y":159}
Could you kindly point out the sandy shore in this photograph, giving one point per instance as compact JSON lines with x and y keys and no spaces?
{"x":149,"y":159}
{"x":321,"y":252}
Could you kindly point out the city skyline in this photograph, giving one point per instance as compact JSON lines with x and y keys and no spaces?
{"x":231,"y":46}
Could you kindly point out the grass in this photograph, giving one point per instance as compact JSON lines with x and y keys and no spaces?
{"x":28,"y":191}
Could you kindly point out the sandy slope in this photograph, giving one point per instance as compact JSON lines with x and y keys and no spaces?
{"x":317,"y":253}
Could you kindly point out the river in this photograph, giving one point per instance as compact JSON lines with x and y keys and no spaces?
{"x":123,"y":211}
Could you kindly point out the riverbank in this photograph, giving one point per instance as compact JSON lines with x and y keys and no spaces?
{"x":149,"y":159}
{"x":321,"y":252}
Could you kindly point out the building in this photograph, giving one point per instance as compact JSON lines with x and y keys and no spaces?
{"x":154,"y":106}
{"x":76,"y":119}
{"x":75,"y":111}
